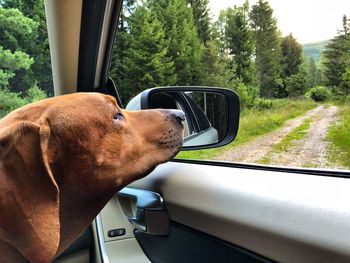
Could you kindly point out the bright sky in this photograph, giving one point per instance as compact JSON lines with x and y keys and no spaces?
{"x":308,"y":20}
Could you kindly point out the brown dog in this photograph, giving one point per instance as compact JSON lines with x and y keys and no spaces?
{"x":63,"y":158}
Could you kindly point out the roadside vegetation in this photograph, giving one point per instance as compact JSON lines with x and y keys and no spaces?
{"x":339,"y":136}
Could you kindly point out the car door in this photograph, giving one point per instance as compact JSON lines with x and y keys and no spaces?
{"x":198,"y":211}
{"x":236,"y":213}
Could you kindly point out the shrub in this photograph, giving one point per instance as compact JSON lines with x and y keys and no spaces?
{"x":246,"y":93}
{"x":10,"y":101}
{"x":34,"y":93}
{"x":263,"y":104}
{"x":319,"y":93}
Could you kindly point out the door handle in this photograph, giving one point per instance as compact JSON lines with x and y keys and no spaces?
{"x":151,"y":216}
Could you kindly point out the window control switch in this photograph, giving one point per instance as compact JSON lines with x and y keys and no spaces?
{"x":116,"y":232}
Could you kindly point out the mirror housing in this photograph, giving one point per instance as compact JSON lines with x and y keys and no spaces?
{"x":212,"y":114}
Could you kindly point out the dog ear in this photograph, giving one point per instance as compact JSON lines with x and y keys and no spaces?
{"x":29,"y":195}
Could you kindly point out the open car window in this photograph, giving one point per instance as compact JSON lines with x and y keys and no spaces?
{"x":291,"y":72}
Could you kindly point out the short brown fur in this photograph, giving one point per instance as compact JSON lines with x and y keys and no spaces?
{"x":62,"y":159}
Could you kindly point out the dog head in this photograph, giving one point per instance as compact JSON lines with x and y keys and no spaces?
{"x":120,"y":146}
{"x":60,"y":153}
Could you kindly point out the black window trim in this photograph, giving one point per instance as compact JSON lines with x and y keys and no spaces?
{"x":284,"y":169}
{"x":92,"y":20}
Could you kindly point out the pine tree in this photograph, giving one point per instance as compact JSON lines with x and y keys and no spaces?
{"x":218,"y":33}
{"x":291,"y":60}
{"x":215,"y":68}
{"x":147,"y":63}
{"x":201,"y":18}
{"x":239,"y":38}
{"x":337,"y":60}
{"x":297,"y":84}
{"x":334,"y":61}
{"x":291,"y":55}
{"x":185,"y":47}
{"x":267,"y":50}
{"x":345,"y":87}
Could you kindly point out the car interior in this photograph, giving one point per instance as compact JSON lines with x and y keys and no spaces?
{"x":188,"y":210}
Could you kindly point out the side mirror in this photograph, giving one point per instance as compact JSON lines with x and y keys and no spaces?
{"x":212,"y":114}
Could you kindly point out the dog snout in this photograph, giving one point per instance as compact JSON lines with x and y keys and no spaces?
{"x":178,"y":115}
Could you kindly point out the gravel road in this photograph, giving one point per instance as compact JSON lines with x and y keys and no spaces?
{"x":307,"y":152}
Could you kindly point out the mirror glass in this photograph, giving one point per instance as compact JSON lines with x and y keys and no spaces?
{"x":206,"y":114}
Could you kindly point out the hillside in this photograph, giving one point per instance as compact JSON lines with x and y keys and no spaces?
{"x":315,"y":49}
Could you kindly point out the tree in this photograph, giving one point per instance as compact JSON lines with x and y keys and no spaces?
{"x":218,"y":33}
{"x":267,"y":50}
{"x":240,"y":44}
{"x":334,"y":62}
{"x":201,"y":18}
{"x":346,"y":81}
{"x":147,"y":61}
{"x":291,"y":60}
{"x":36,"y":45}
{"x":15,"y":29}
{"x":297,"y":84}
{"x":312,"y":72}
{"x":185,"y":47}
{"x":215,"y":68}
{"x":337,"y":60}
{"x":10,"y":63}
{"x":291,"y":52}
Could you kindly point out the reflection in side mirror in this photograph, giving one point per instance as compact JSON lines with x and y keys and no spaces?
{"x":206,"y":114}
{"x":212,"y":114}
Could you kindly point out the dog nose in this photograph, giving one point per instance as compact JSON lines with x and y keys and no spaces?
{"x":178,"y":115}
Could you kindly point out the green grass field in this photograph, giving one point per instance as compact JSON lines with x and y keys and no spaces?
{"x":339,"y":135}
{"x":256,"y":122}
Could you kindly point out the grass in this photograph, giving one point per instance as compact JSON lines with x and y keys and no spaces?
{"x":256,"y":122}
{"x":339,"y":136}
{"x":289,"y":140}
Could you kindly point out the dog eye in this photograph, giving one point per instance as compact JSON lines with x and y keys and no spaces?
{"x":118,"y":116}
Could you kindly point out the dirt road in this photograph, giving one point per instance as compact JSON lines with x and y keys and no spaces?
{"x":307,"y":152}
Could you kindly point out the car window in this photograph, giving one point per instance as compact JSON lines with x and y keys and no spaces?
{"x":289,"y":63}
{"x":25,"y":68}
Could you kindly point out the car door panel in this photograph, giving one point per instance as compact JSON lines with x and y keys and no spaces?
{"x":124,"y":248}
{"x":182,"y":244}
{"x":286,"y":217}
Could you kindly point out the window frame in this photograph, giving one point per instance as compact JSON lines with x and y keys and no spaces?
{"x":251,"y":166}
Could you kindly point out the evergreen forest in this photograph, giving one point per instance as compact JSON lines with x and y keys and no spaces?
{"x":176,"y":42}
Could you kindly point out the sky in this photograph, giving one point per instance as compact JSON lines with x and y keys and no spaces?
{"x":308,"y":20}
